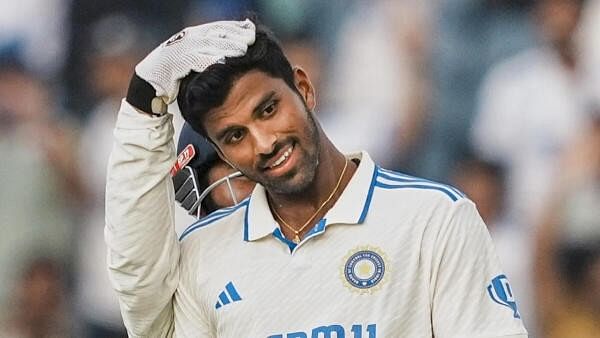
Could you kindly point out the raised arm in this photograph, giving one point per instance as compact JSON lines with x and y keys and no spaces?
{"x":143,"y":250}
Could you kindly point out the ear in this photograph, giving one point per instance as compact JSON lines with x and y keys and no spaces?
{"x":305,"y":87}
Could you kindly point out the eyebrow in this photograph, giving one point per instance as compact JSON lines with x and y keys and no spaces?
{"x":257,"y":110}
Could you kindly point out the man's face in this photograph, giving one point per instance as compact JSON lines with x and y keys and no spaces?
{"x":265,"y":130}
{"x":220,"y":195}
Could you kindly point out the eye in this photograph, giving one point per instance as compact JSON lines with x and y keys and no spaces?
{"x":270,"y":109}
{"x":234,"y":136}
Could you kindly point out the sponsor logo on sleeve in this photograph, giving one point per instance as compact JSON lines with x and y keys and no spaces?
{"x":501,"y":293}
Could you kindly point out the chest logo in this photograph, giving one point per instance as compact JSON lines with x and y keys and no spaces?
{"x":229,"y":295}
{"x":364,"y":269}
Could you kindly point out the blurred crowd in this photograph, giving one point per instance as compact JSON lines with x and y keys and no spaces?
{"x":500,"y":98}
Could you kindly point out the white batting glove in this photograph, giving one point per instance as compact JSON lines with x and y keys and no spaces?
{"x":193,"y":49}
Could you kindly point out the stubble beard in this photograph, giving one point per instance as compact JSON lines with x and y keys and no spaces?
{"x":300,"y":178}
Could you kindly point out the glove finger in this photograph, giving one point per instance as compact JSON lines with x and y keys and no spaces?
{"x":233,"y":31}
{"x":229,"y":30}
{"x":236,"y":27}
{"x":191,"y":35}
{"x":199,"y":64}
{"x":247,"y":39}
{"x":219,"y":47}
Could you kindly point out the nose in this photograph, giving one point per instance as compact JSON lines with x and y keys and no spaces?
{"x":264,"y":142}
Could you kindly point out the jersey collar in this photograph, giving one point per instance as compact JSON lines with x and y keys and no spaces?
{"x":351,"y":208}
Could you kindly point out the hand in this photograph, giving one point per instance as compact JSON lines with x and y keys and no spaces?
{"x":156,"y":80}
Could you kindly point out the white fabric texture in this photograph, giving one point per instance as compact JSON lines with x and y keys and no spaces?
{"x":193,"y":49}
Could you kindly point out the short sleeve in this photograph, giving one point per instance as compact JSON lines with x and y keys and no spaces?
{"x":471,"y":297}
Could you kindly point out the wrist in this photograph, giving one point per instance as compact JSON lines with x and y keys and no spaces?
{"x":142,"y":96}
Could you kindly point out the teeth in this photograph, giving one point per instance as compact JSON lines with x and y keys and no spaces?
{"x":282,"y":158}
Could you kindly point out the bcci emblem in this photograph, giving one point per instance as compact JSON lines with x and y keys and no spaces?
{"x":364,"y":269}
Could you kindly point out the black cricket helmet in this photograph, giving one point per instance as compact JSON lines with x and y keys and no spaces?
{"x":196,"y":156}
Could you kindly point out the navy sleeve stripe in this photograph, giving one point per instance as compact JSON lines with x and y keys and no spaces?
{"x":418,"y":186}
{"x":399,"y":177}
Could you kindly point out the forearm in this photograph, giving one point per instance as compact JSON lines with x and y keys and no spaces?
{"x":143,"y":250}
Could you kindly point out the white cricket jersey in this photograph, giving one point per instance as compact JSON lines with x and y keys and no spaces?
{"x":396,"y":256}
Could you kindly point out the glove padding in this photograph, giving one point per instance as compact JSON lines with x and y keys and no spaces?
{"x":193,"y":49}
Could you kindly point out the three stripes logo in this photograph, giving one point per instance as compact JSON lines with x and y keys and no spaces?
{"x":500,"y":292}
{"x":228,"y":295}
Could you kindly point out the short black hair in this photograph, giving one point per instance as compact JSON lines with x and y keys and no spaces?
{"x":201,"y":92}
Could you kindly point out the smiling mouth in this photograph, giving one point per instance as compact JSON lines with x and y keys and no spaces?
{"x":282,"y":159}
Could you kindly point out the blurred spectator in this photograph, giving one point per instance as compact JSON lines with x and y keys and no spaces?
{"x":160,"y":19}
{"x":590,"y":43}
{"x":39,"y":184}
{"x":468,"y":37}
{"x":37,"y":27}
{"x":39,"y":308}
{"x":484,"y":183}
{"x":568,"y":245}
{"x":532,"y":106}
{"x":374,"y":98}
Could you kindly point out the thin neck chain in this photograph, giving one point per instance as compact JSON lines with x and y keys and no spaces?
{"x":308,"y":221}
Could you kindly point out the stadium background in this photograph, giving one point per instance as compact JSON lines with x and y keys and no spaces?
{"x":500,"y":98}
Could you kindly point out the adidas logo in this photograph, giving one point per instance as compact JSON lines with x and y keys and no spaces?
{"x":228,"y":295}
